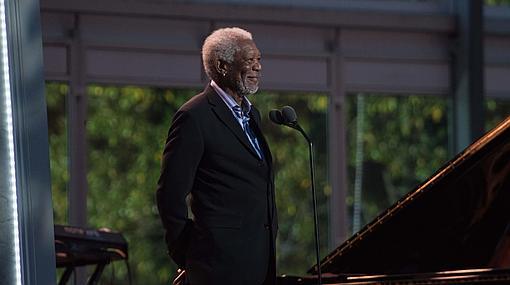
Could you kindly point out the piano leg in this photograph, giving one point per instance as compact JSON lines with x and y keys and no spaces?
{"x":65,"y":276}
{"x":94,"y":279}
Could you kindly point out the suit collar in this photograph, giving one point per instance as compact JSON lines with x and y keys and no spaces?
{"x":225,"y":115}
{"x":229,"y":101}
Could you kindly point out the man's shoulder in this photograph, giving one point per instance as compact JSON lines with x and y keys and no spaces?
{"x":196,"y":104}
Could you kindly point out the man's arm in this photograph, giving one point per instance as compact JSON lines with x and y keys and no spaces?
{"x":181,"y":156}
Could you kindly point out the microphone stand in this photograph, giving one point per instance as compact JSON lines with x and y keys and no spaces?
{"x":296,"y":126}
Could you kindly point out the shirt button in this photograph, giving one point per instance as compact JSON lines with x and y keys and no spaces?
{"x":266,"y":227}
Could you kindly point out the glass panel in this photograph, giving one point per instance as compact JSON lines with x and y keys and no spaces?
{"x":496,"y":111}
{"x":126,"y":131}
{"x":295,"y":244}
{"x":401,"y":139}
{"x":57,"y":133}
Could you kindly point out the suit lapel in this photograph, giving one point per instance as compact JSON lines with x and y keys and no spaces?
{"x":255,"y":118}
{"x":255,"y":125}
{"x":225,"y":115}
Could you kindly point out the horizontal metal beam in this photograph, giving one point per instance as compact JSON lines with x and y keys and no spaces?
{"x":344,"y":17}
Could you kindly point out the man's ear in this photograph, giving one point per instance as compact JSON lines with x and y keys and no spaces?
{"x":221,"y":67}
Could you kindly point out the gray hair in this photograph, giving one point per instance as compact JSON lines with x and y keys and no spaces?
{"x":222,"y":44}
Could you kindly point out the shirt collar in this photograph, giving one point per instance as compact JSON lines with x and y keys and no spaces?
{"x":231,"y":103}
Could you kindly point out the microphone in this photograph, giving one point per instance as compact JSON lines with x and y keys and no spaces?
{"x":276,"y":117}
{"x":287,"y":117}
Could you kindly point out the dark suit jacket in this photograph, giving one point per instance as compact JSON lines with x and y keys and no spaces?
{"x":231,"y":238}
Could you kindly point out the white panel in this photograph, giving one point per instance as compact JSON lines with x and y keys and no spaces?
{"x":288,"y":39}
{"x":386,"y":44}
{"x":497,"y":50}
{"x":144,"y":68}
{"x":55,"y":60}
{"x":56,"y":26}
{"x":396,"y":77}
{"x":497,"y":81}
{"x":295,"y":74}
{"x":143,"y":32}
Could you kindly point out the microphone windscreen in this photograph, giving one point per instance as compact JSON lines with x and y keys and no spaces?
{"x":289,"y":115}
{"x":276,"y":117}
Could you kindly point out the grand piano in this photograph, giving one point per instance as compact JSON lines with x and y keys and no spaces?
{"x":452,"y":229}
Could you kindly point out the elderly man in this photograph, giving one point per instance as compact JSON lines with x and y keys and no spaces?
{"x":215,"y":153}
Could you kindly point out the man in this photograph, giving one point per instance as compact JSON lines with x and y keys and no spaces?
{"x":216,"y":153}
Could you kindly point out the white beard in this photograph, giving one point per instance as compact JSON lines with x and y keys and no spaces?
{"x":243,"y":90}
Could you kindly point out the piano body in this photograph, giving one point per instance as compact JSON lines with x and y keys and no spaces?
{"x":452,"y":229}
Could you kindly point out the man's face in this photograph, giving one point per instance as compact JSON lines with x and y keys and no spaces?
{"x":245,"y":70}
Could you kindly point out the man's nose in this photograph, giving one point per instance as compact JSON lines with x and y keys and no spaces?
{"x":257,"y":66}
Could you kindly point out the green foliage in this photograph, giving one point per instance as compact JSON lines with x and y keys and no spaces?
{"x":126,"y":131}
{"x":57,"y":133}
{"x":496,"y":2}
{"x":496,"y":111}
{"x":404,"y":141}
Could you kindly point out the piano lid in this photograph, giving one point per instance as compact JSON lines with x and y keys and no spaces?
{"x":456,"y":219}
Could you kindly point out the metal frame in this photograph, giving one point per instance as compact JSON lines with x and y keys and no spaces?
{"x":468,"y":76}
{"x":25,"y":86}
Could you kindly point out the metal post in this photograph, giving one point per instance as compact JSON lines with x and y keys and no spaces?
{"x":77,"y":109}
{"x":77,"y":147}
{"x":337,"y":153}
{"x":468,"y":76}
{"x":26,"y":216}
